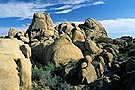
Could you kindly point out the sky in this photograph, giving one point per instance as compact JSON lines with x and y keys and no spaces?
{"x":117,"y":16}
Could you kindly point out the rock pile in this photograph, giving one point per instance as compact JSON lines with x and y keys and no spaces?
{"x":41,"y":27}
{"x":82,"y":54}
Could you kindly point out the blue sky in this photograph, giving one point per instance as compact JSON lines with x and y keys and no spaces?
{"x":117,"y":16}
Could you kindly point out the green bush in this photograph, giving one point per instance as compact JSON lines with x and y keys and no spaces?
{"x":45,"y":77}
{"x":103,"y":40}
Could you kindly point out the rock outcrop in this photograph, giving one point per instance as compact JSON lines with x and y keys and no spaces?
{"x":12,"y":75}
{"x":93,"y":28}
{"x":81,"y":55}
{"x":60,"y":52}
{"x":72,"y":30}
{"x":41,"y":27}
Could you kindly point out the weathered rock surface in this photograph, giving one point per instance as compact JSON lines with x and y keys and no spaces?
{"x":12,"y":33}
{"x":60,"y":52}
{"x":72,"y":30}
{"x":41,"y":27}
{"x":93,"y":28}
{"x":9,"y":54}
{"x":83,"y":55}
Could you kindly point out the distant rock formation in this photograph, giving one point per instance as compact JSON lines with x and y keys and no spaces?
{"x":93,"y":28}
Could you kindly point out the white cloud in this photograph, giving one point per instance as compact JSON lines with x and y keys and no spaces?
{"x":63,"y":7}
{"x":73,"y":1}
{"x":76,"y":22}
{"x":120,"y":27}
{"x":23,"y":10}
{"x":98,"y":2}
{"x":70,"y":7}
{"x":64,"y":11}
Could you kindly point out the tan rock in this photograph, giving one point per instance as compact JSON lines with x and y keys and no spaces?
{"x":26,"y":50}
{"x":87,"y":73}
{"x":12,"y":33}
{"x":9,"y":79}
{"x":60,"y":52}
{"x":92,"y":47}
{"x":9,"y":54}
{"x":41,"y":26}
{"x":65,"y":51}
{"x":94,"y":28}
{"x":64,"y":27}
{"x":24,"y":66}
{"x":78,"y":35}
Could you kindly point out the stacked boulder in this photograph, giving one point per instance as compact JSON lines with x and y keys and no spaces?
{"x":72,"y":30}
{"x":61,"y":51}
{"x":72,"y":43}
{"x":20,"y":35}
{"x":93,"y":28}
{"x":82,"y":54}
{"x":41,"y":27}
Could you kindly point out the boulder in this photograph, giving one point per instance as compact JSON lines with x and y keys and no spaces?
{"x":107,"y":56}
{"x":65,"y":27}
{"x":92,"y":47}
{"x":9,"y":79}
{"x":42,"y":52}
{"x":41,"y":27}
{"x":24,"y":68}
{"x":12,"y":33}
{"x":98,"y":63}
{"x":87,"y":72}
{"x":78,"y":34}
{"x":60,"y":52}
{"x":74,"y":32}
{"x":93,"y":28}
{"x":21,"y":35}
{"x":65,"y":51}
{"x":79,"y":72}
{"x":10,"y":53}
{"x":26,"y":50}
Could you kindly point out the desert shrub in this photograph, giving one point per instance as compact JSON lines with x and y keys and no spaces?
{"x":37,"y":73}
{"x":45,"y":77}
{"x":104,"y":40}
{"x":119,"y":42}
{"x":64,"y":86}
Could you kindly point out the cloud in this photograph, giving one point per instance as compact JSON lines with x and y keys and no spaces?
{"x":69,"y":8}
{"x":98,"y":2}
{"x":120,"y":27}
{"x":72,"y":5}
{"x":76,"y":22}
{"x":73,"y":1}
{"x":64,"y":11}
{"x":23,"y":9}
{"x":63,"y":7}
